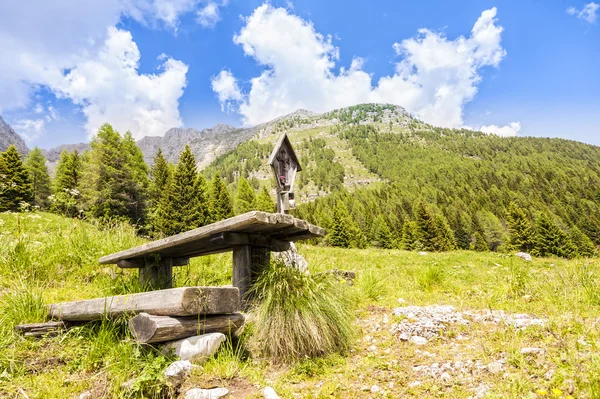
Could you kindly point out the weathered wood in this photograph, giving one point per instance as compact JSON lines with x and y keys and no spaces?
{"x":37,"y":326}
{"x":197,"y":242}
{"x":230,"y":240}
{"x":140,"y":263}
{"x":149,"y":328}
{"x":185,"y":301}
{"x":157,"y":275}
{"x":248,"y":263}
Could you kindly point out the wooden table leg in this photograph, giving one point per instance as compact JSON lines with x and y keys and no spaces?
{"x":157,"y":276}
{"x":248,"y":263}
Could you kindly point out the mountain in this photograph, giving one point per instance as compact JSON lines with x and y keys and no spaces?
{"x":8,"y":136}
{"x":380,"y":163}
{"x":205,"y":144}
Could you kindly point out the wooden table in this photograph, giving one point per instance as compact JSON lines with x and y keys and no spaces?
{"x":251,"y":236}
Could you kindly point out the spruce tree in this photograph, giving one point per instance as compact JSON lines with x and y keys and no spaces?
{"x":159,"y":180}
{"x":139,"y":175}
{"x":66,"y":197}
{"x":40,"y":179}
{"x":426,"y":232}
{"x":264,"y":202}
{"x":551,"y":239}
{"x":182,"y":207}
{"x":409,"y":236}
{"x":444,"y":239}
{"x":340,"y":234}
{"x":246,"y":198}
{"x":521,"y":232}
{"x":381,"y":233}
{"x":15,"y":182}
{"x":479,"y":243}
{"x":585,"y":246}
{"x":222,"y":207}
{"x":68,"y":171}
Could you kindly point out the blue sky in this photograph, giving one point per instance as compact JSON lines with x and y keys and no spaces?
{"x":506,"y":67}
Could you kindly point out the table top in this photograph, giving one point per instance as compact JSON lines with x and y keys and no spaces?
{"x":198,"y":242}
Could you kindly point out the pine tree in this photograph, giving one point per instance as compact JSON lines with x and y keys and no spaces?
{"x":222,"y":207}
{"x":585,"y":246}
{"x":68,"y":171}
{"x":183,"y":206}
{"x":340,"y":234}
{"x":139,"y":174}
{"x":479,"y":243}
{"x":426,"y":232}
{"x":381,"y":233}
{"x":444,"y":240}
{"x":551,"y":240}
{"x":264,"y":202}
{"x":159,"y":180}
{"x":246,"y":198}
{"x":40,"y":179}
{"x":520,"y":230}
{"x":66,"y":197}
{"x":409,"y":236}
{"x":15,"y":183}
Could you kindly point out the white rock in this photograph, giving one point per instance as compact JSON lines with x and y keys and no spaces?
{"x":422,"y":253}
{"x":199,"y":393}
{"x":269,"y":393}
{"x":494,"y":367}
{"x":196,"y":349}
{"x":85,"y":395}
{"x":291,"y":258}
{"x":178,"y":371}
{"x":401,"y":300}
{"x":414,"y":384}
{"x":375,"y":389}
{"x":523,"y":255}
{"x":372,"y":348}
{"x":415,"y":339}
{"x":531,"y":351}
{"x":445,"y":377}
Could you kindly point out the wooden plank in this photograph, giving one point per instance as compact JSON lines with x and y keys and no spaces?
{"x":185,"y":301}
{"x":157,"y":276}
{"x":230,"y":240}
{"x":37,"y":326}
{"x":149,"y":328}
{"x":248,"y":264}
{"x":140,"y":263}
{"x":197,"y":242}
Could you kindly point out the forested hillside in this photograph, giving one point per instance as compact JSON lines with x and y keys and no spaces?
{"x":382,"y":167}
{"x":372,"y":175}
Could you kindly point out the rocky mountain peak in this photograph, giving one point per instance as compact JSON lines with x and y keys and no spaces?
{"x":8,"y":136}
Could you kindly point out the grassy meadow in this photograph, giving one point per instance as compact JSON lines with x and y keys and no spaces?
{"x":45,"y":258}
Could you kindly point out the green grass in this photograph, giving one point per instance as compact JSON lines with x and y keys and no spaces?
{"x":45,"y":258}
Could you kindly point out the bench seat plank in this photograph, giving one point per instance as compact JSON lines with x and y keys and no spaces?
{"x":198,"y":242}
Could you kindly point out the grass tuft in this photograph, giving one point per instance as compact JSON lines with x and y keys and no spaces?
{"x":299,"y":316}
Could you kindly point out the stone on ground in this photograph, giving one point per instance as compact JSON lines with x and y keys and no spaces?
{"x":199,"y":393}
{"x":177,"y":372}
{"x":291,"y":258}
{"x":269,"y":393}
{"x":196,"y":349}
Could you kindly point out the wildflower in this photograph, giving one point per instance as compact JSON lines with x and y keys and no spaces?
{"x":556,"y":391}
{"x":541,"y":392}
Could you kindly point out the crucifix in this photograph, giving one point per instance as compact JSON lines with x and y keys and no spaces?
{"x":284,"y":163}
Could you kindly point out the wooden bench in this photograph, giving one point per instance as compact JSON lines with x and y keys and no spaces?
{"x":251,"y":236}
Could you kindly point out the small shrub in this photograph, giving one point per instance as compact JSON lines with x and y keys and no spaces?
{"x":299,"y":316}
{"x":22,"y":305}
{"x":433,"y":276}
{"x":372,"y":285}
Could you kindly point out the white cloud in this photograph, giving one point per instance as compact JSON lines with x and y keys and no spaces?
{"x":109,"y":88}
{"x":38,"y":109}
{"x":506,"y":131}
{"x":589,"y":12}
{"x":37,"y":51}
{"x":433,"y":78}
{"x":208,"y":16}
{"x":29,"y":129}
{"x":226,"y":87}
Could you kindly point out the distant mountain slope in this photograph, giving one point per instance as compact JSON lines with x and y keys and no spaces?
{"x":8,"y":136}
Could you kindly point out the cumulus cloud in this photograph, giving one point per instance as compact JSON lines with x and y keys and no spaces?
{"x":589,"y":12}
{"x":433,"y":78}
{"x":64,"y":57}
{"x":109,"y":88}
{"x":29,"y":129}
{"x":505,"y":131}
{"x":208,"y":16}
{"x":226,"y":87}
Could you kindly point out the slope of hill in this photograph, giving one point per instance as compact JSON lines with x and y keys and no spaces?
{"x":8,"y":136}
{"x":379,"y":161}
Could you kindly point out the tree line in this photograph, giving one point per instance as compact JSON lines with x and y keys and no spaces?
{"x":111,"y":182}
